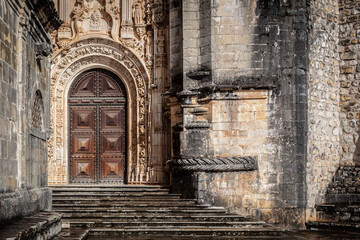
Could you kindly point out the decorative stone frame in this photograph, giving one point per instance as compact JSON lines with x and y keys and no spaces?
{"x":106,"y":54}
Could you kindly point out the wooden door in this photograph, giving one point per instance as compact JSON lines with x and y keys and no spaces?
{"x":97,"y":117}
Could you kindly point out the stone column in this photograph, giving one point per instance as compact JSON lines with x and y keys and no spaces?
{"x":127,"y":30}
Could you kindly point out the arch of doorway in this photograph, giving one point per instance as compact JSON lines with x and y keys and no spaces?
{"x":136,"y":80}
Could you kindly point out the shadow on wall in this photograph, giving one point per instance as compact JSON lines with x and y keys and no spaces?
{"x":345,"y":186}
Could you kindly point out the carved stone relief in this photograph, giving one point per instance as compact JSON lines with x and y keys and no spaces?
{"x":127,"y":23}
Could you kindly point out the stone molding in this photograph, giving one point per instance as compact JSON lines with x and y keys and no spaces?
{"x":227,"y":164}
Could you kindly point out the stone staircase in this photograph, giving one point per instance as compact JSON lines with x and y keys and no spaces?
{"x":336,"y":216}
{"x":341,"y":210}
{"x":132,"y":211}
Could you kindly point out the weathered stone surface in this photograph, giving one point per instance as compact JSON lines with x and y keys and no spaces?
{"x":43,"y":225}
{"x":23,"y":162}
{"x":222,"y":79}
{"x":147,"y":211}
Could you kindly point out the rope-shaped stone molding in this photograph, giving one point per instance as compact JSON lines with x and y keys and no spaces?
{"x":227,"y":164}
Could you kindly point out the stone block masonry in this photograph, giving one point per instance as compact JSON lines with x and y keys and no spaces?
{"x":275,"y":80}
{"x":245,"y":95}
{"x":24,"y":76}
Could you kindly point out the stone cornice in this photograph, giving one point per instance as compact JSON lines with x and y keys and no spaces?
{"x":47,"y":14}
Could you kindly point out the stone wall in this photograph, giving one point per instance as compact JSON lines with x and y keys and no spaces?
{"x":9,"y":95}
{"x":24,"y":110}
{"x":324,"y":131}
{"x":239,"y":123}
{"x":349,"y":79}
{"x":259,"y":45}
{"x":175,"y":44}
{"x":239,"y":39}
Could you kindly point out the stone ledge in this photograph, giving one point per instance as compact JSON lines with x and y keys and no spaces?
{"x":24,"y":202}
{"x":333,"y":226}
{"x":44,"y":225}
{"x":227,"y":164}
{"x":343,"y":198}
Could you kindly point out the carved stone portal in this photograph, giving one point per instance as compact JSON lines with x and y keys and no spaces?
{"x":117,"y":36}
{"x":103,"y":54}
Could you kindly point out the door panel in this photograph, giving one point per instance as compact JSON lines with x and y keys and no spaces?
{"x":83,"y":170}
{"x":85,"y":85}
{"x":84,"y":120}
{"x":109,"y":87}
{"x":112,"y":144}
{"x":112,"y":170}
{"x":97,"y":150}
{"x":82,"y":143}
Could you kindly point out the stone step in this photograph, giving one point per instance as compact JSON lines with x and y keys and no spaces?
{"x":144,"y":212}
{"x":117,"y":195}
{"x":338,"y":213}
{"x":338,"y":208}
{"x":140,"y":209}
{"x":333,"y":226}
{"x":73,"y":234}
{"x":113,"y":212}
{"x":43,"y":225}
{"x":79,"y":223}
{"x":190,"y":231}
{"x":77,"y":200}
{"x":151,"y":217}
{"x":109,"y":190}
{"x":104,"y":186}
{"x":129,"y":205}
{"x":190,"y":237}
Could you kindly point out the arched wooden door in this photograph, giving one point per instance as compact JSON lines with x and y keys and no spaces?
{"x":97,"y":119}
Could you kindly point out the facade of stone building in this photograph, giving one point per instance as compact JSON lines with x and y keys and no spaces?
{"x":25,"y":105}
{"x":247,"y":104}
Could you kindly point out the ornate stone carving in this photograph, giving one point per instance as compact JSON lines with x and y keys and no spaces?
{"x":228,"y":164}
{"x":43,"y":50}
{"x":138,"y":12}
{"x":159,"y":12}
{"x":131,"y":71}
{"x":161,"y":42}
{"x":97,"y":16}
{"x":148,"y":39}
{"x":23,"y":20}
{"x":125,"y":44}
{"x":102,"y":18}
